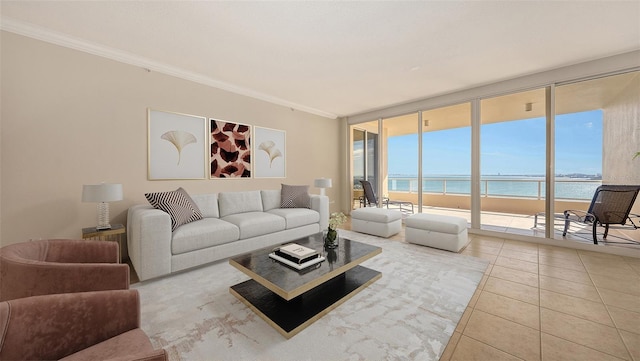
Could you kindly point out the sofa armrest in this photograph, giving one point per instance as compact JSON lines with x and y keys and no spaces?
{"x":149,"y":241}
{"x":320,"y":204}
{"x":74,"y":321}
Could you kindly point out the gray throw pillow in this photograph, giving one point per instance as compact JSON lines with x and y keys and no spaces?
{"x":295,"y":197}
{"x":178,"y":204}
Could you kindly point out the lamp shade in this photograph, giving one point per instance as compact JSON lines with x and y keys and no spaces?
{"x":103,"y":192}
{"x":322,"y":183}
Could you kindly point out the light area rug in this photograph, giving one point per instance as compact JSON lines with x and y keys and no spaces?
{"x":408,"y":314}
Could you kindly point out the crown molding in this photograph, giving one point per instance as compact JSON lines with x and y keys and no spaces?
{"x":47,"y":35}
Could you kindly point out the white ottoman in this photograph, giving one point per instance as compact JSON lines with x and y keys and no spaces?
{"x":380,"y":222}
{"x":443,"y":232}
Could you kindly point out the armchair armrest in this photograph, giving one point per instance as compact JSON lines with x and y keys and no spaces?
{"x":81,"y":251}
{"x":48,"y":267}
{"x":74,"y":321}
{"x":42,"y":278}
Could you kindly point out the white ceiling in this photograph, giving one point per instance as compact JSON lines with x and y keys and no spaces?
{"x":336,"y":58}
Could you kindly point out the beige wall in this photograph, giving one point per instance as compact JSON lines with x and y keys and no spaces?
{"x":622,"y":138}
{"x":70,"y":118}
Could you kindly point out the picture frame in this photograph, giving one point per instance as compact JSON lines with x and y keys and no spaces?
{"x":176,"y":145}
{"x":229,"y":150}
{"x":270,"y":153}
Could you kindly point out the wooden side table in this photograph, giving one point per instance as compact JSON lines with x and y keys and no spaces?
{"x":115,"y":234}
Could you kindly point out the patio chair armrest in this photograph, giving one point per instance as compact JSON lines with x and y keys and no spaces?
{"x":578,"y":216}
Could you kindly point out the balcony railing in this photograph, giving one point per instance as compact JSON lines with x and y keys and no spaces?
{"x":568,"y":189}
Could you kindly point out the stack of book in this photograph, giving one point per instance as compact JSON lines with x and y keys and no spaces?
{"x":296,"y":256}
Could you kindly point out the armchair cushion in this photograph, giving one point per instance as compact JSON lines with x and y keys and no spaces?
{"x":60,"y":266}
{"x":59,"y":325}
{"x":134,"y":344}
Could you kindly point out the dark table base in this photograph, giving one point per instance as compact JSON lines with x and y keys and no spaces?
{"x":291,"y":317}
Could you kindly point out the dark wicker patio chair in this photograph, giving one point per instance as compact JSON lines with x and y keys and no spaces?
{"x":369,"y":198}
{"x":611,"y":205}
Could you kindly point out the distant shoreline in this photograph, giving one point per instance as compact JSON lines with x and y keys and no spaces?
{"x":517,"y":176}
{"x":530,"y":186}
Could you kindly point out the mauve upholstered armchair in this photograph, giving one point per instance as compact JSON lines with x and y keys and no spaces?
{"x":60,"y":266}
{"x":100,"y":325}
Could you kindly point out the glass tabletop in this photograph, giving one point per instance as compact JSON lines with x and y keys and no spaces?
{"x":291,"y":282}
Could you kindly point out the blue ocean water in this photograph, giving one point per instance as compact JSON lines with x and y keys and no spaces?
{"x":505,"y":186}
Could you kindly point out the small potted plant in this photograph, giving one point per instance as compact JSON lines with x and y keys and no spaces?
{"x":331,"y":238}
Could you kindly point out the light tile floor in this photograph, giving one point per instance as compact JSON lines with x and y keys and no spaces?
{"x":539,"y":302}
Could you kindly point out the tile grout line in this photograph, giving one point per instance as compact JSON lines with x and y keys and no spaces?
{"x":540,"y":307}
{"x":601,"y":299}
{"x":598,"y":290}
{"x":473,"y":310}
{"x":606,"y":306}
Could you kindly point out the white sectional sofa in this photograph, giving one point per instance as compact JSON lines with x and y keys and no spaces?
{"x":232,"y":223}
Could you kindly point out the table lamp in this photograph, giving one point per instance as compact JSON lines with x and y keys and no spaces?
{"x":102,"y":194}
{"x":322,"y":183}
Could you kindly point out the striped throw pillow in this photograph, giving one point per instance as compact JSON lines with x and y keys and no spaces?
{"x":178,"y":204}
{"x":294,"y":197}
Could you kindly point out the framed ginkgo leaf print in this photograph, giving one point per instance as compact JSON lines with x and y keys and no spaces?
{"x":176,"y":146}
{"x":270,"y":153}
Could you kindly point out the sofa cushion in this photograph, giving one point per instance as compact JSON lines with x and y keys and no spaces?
{"x":208,"y":204}
{"x":295,"y":196}
{"x":296,"y":217}
{"x":201,"y":234}
{"x":239,"y":202}
{"x":178,"y":204}
{"x":254,"y":224}
{"x":270,"y":199}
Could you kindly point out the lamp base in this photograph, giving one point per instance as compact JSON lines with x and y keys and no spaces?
{"x":103,"y":216}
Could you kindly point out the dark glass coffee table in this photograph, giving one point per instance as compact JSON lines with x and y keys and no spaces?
{"x":290,"y":300}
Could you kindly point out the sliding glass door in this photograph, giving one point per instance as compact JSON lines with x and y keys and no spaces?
{"x":512,"y":161}
{"x":587,"y":135}
{"x":597,"y":134}
{"x":400,"y":166}
{"x":446,"y":160}
{"x":364,"y":158}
